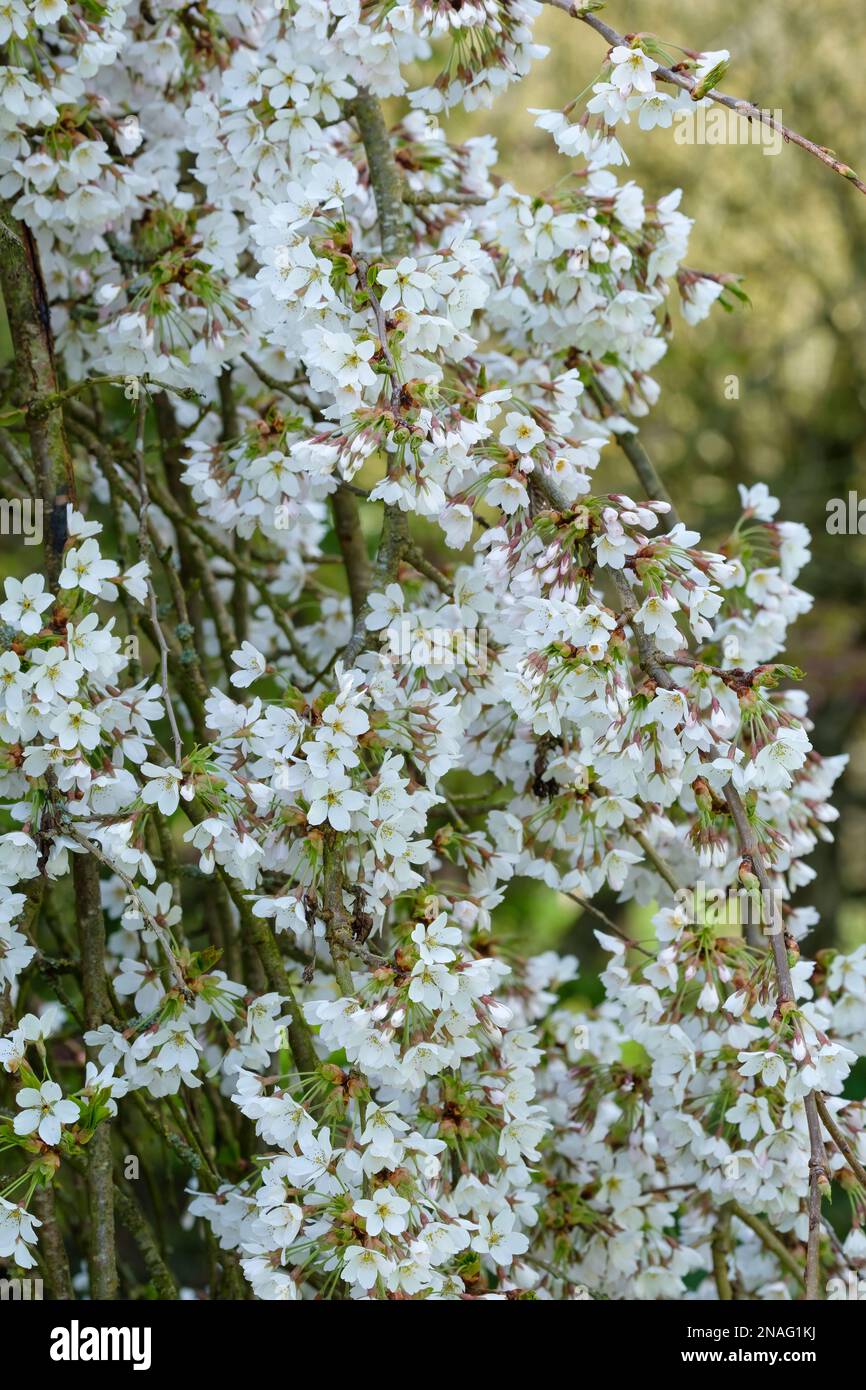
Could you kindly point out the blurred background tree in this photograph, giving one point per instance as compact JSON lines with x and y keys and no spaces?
{"x":797,"y":233}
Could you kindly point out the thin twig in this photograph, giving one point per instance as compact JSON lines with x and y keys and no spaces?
{"x":720,"y":1246}
{"x":144,"y":502}
{"x":156,"y":927}
{"x":769,"y":1238}
{"x":840,"y":1141}
{"x":590,"y":907}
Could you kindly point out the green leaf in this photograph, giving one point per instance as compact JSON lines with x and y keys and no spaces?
{"x":635,"y":1057}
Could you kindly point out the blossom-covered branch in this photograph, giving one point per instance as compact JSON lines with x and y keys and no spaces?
{"x":342,"y":636}
{"x":699,"y":81}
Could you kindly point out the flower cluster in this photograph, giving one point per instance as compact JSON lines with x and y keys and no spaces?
{"x":319,"y":324}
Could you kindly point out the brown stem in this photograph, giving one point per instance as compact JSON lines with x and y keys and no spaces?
{"x":100,"y":1180}
{"x":353,"y":547}
{"x":426,"y":198}
{"x":337,"y":925}
{"x":171,"y":446}
{"x":418,"y":560}
{"x":840,"y":1141}
{"x":721,"y":1244}
{"x":30,"y":325}
{"x":59,"y":1279}
{"x":135,"y":1221}
{"x":385,"y":177}
{"x":637,"y":456}
{"x":661,"y":868}
{"x":769,"y":1238}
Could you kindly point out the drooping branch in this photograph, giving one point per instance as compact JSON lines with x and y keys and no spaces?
{"x":143,"y":545}
{"x":631,"y":446}
{"x":842,"y":1144}
{"x":133,"y":1218}
{"x":769,"y":1239}
{"x":750,"y":848}
{"x":818,"y":1176}
{"x":197,"y":542}
{"x":687,"y":83}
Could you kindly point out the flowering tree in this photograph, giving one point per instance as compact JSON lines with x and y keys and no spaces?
{"x":265,"y":784}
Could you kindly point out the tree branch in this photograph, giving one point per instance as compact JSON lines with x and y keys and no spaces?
{"x":688,"y":84}
{"x":97,"y":1006}
{"x":353,"y":547}
{"x":769,"y":1238}
{"x":387,"y":184}
{"x":787,"y":998}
